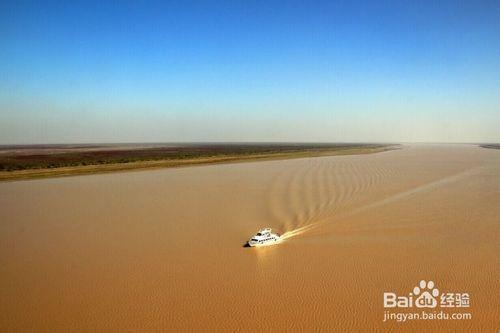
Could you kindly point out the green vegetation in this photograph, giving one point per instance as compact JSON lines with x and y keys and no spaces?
{"x":16,"y":164}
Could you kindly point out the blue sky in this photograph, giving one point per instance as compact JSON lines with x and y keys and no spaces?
{"x":249,"y":71}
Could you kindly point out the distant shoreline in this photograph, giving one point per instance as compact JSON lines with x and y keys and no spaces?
{"x":491,"y":146}
{"x":32,"y":162}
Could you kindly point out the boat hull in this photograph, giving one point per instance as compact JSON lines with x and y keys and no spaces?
{"x":266,"y":243}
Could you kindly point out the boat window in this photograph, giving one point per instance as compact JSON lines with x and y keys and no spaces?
{"x":259,"y":234}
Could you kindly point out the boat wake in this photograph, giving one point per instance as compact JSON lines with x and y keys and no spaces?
{"x":299,"y":231}
{"x":327,"y":190}
{"x":307,"y":195}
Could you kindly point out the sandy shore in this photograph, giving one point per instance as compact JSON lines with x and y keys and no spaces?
{"x":163,"y":249}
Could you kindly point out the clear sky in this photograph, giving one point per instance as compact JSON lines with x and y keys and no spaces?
{"x":248,"y":70}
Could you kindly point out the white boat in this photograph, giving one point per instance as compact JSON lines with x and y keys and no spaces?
{"x":264,"y":237}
